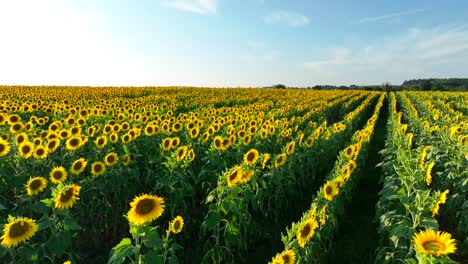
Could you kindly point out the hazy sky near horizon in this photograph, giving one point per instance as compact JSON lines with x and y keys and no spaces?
{"x":231,"y":42}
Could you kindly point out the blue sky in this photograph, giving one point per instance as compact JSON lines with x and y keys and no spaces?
{"x":232,"y":43}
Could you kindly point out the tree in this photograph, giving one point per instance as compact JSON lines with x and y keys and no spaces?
{"x":425,"y":85}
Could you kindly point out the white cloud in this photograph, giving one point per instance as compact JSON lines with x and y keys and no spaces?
{"x":390,"y":17}
{"x":202,"y":7}
{"x":44,"y":42}
{"x":288,"y":18}
{"x":259,"y":52}
{"x":418,"y":53}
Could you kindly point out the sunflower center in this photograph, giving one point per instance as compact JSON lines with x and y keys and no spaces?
{"x":145,"y":206}
{"x":233,"y":175}
{"x":26,"y":149}
{"x":66,"y":195}
{"x":2,"y":148}
{"x":35,"y":184}
{"x":166,"y":143}
{"x":52,"y":144}
{"x":250,"y":156}
{"x":110,"y":159}
{"x":305,"y":230}
{"x":100,"y":141}
{"x":349,"y":151}
{"x":286,"y":258}
{"x":57,"y":175}
{"x":74,"y":142}
{"x":77,"y":166}
{"x":97,"y":168}
{"x":176,"y":225}
{"x":433,"y":245}
{"x":18,"y":229}
{"x":328,"y":190}
{"x":40,"y":152}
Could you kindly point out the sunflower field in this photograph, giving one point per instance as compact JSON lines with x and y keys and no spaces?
{"x":201,"y":175}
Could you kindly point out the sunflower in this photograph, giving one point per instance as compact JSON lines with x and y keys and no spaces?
{"x":13,"y":119}
{"x":26,"y":149}
{"x":290,"y":148}
{"x":53,"y":145}
{"x":22,"y":137}
{"x":17,"y":231}
{"x":167,"y":144}
{"x":111,"y":159}
{"x":78,"y":166}
{"x":277,"y":260}
{"x":101,"y":141}
{"x":127,"y":159}
{"x":36,"y":185}
{"x":280,"y":160}
{"x":234,"y":176}
{"x":428,"y":178}
{"x":438,"y":243}
{"x":246,"y":175}
{"x":145,"y":208}
{"x":288,"y":256}
{"x":177,"y":224}
{"x":67,"y":197}
{"x":218,"y":143}
{"x":247,"y":140}
{"x":306,"y":232}
{"x":58,"y":175}
{"x":265,"y":160}
{"x":349,"y":151}
{"x":404,"y":128}
{"x":442,"y":199}
{"x":175,"y":142}
{"x":40,"y":152}
{"x":16,"y":128}
{"x":114,"y":137}
{"x":74,"y":143}
{"x":191,"y":155}
{"x":330,"y":190}
{"x":251,"y":157}
{"x":410,"y":140}
{"x":323,"y":215}
{"x":4,"y":148}
{"x":181,"y":153}
{"x":98,"y":168}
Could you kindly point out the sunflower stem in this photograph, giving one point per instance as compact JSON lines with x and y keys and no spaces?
{"x":13,"y":255}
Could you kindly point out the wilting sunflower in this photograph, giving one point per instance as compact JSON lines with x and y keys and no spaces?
{"x":40,"y":152}
{"x":98,"y":168}
{"x":251,"y":157}
{"x":177,"y":224}
{"x":74,"y":143}
{"x":438,"y":243}
{"x":78,"y":166}
{"x":66,"y":197}
{"x":234,"y":176}
{"x":53,"y":145}
{"x":58,"y":175}
{"x":36,"y":185}
{"x":288,"y":256}
{"x":181,"y":153}
{"x":290,"y":148}
{"x":145,"y":208}
{"x":330,"y":190}
{"x":280,"y":160}
{"x":4,"y":148}
{"x":18,"y":231}
{"x":26,"y":149}
{"x":167,"y":144}
{"x":428,"y":178}
{"x":306,"y":232}
{"x":111,"y":159}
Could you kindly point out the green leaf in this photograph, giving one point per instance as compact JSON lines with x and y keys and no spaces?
{"x":45,"y":222}
{"x":2,"y":207}
{"x":152,"y":257}
{"x":58,"y":243}
{"x":71,"y":225}
{"x":152,"y":239}
{"x":402,"y":231}
{"x":40,"y":208}
{"x":28,"y":254}
{"x":121,"y":251}
{"x":212,"y":220}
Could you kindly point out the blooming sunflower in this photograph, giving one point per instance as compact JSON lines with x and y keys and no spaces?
{"x":111,"y":159}
{"x":218,"y":143}
{"x":22,"y":137}
{"x":127,"y":159}
{"x":101,"y":141}
{"x":349,"y":152}
{"x":145,"y":208}
{"x":78,"y":166}
{"x":175,"y":142}
{"x":438,"y":243}
{"x":280,"y":160}
{"x":306,"y":232}
{"x":36,"y":185}
{"x":167,"y":144}
{"x":17,"y":231}
{"x":251,"y":157}
{"x":410,"y":140}
{"x":58,"y":175}
{"x":74,"y":143}
{"x":290,"y":148}
{"x":191,"y":155}
{"x":442,"y":199}
{"x":423,"y":156}
{"x":330,"y":190}
{"x":277,"y":260}
{"x":26,"y":149}
{"x":288,"y":256}
{"x":234,"y":176}
{"x":246,"y":175}
{"x":40,"y":152}
{"x":53,"y":145}
{"x":177,"y":224}
{"x":4,"y":148}
{"x":182,"y":153}
{"x":67,"y":197}
{"x":247,"y":140}
{"x":98,"y":168}
{"x":265,"y":160}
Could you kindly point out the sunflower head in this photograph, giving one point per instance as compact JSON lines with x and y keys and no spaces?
{"x":167,"y":144}
{"x":18,"y":231}
{"x":251,"y":157}
{"x":4,"y":148}
{"x":74,"y":143}
{"x":218,"y":143}
{"x":53,"y":145}
{"x":58,"y":175}
{"x":98,"y":168}
{"x":78,"y":166}
{"x":26,"y":149}
{"x":36,"y":185}
{"x":280,"y":160}
{"x":288,"y":256}
{"x":246,"y":176}
{"x":40,"y":152}
{"x":234,"y":176}
{"x":111,"y":159}
{"x":306,"y":231}
{"x":181,"y":153}
{"x":177,"y":224}
{"x":67,"y":196}
{"x":438,"y":243}
{"x":290,"y":148}
{"x":330,"y":190}
{"x":145,"y":208}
